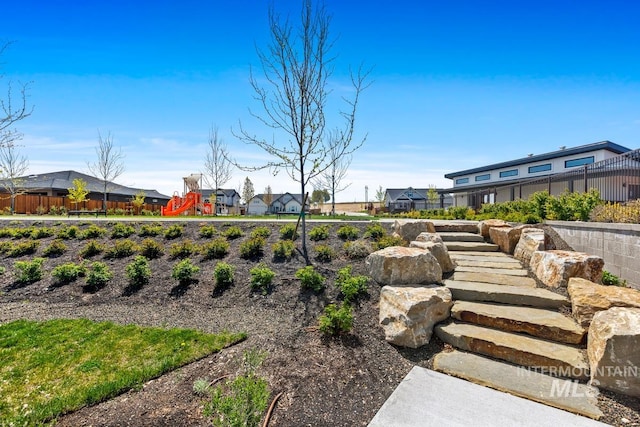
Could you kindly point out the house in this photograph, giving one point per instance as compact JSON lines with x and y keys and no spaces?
{"x":573,"y":169}
{"x":408,"y":199}
{"x":227,"y":200}
{"x":263,"y":204}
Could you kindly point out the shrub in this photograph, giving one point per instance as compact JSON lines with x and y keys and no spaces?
{"x":357,"y":250}
{"x":375,"y":231}
{"x":610,"y":279}
{"x":121,"y":230}
{"x":232,"y":232}
{"x":55,"y":248}
{"x":223,"y":274}
{"x":261,"y":231}
{"x":183,"y":249}
{"x":207,"y":231}
{"x":173,"y":232}
{"x":351,"y":287}
{"x":42,"y":232}
{"x":92,"y":248}
{"x":288,"y":232}
{"x":283,"y":250}
{"x":28,"y":272}
{"x":150,"y":230}
{"x":23,"y":248}
{"x":122,"y":249}
{"x":388,"y":241}
{"x":98,"y":275}
{"x":252,"y":248}
{"x":67,"y":233}
{"x":138,"y":271}
{"x":324,"y":253}
{"x":336,"y":320}
{"x":261,"y":278}
{"x":151,"y":249}
{"x":348,"y":232}
{"x":184,"y":271}
{"x":68,"y":272}
{"x":215,"y":249}
{"x":310,"y":278}
{"x":320,"y":232}
{"x":92,"y":232}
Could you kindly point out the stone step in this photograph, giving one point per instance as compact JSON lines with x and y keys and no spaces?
{"x":504,"y":294}
{"x":520,"y":272}
{"x":541,"y":323}
{"x":547,"y":356}
{"x":454,"y":236}
{"x":498,"y":279}
{"x":568,"y":395}
{"x":462,"y":262}
{"x":495,"y":256}
{"x":471,"y":246}
{"x":456,"y":226}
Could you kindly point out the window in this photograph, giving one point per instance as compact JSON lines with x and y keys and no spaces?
{"x":578,"y":162}
{"x":485,"y":177}
{"x":512,"y":172}
{"x":462,"y":181}
{"x":540,"y":168}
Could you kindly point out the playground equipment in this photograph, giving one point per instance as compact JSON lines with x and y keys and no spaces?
{"x":190,"y":202}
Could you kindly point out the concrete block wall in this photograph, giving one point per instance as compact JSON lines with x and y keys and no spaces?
{"x":617,"y":244}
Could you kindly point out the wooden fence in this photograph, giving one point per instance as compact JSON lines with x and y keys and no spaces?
{"x":42,"y":205}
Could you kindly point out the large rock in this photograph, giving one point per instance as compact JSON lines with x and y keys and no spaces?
{"x":438,"y":250}
{"x":484,"y":226}
{"x":613,"y":350}
{"x":429,"y":237}
{"x":408,"y":314}
{"x":410,"y":229}
{"x":507,"y":237}
{"x":588,"y":298}
{"x":398,"y":265}
{"x":531,"y":240}
{"x":554,"y":268}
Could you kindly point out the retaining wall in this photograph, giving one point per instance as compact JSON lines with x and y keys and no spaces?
{"x":617,"y":244}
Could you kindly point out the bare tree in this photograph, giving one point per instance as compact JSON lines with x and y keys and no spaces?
{"x":13,"y":110}
{"x":296,"y":66}
{"x":268,"y":196}
{"x":109,"y":164}
{"x":217,"y":166}
{"x":332,"y":178}
{"x":247,"y":190}
{"x":13,"y":167}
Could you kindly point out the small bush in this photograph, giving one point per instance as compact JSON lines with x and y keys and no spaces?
{"x":310,"y":278}
{"x":375,"y":231}
{"x":121,"y":230}
{"x":223,"y":274}
{"x":336,"y":320}
{"x":68,"y":272}
{"x":348,"y":232}
{"x":324,"y":253}
{"x":92,"y":248}
{"x":288,"y":232}
{"x":183,"y":249}
{"x":207,"y":231}
{"x":122,"y":249}
{"x":283,"y":250}
{"x":610,"y":279}
{"x":150,"y":230}
{"x":98,"y":275}
{"x":23,"y":248}
{"x":201,"y":387}
{"x":173,"y":232}
{"x":261,"y":278}
{"x":55,"y":248}
{"x":320,"y":232}
{"x":357,"y":250}
{"x":151,"y":249}
{"x":351,"y":287}
{"x":138,"y":271}
{"x":252,"y":248}
{"x":216,"y":249}
{"x":28,"y":272}
{"x":184,"y":271}
{"x":92,"y":232}
{"x":42,"y":232}
{"x":232,"y":232}
{"x":261,"y":231}
{"x":388,"y":241}
{"x":68,"y":233}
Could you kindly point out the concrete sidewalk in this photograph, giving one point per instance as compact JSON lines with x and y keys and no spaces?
{"x":429,"y":398}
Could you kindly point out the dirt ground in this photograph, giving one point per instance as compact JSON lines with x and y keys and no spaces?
{"x":339,"y":381}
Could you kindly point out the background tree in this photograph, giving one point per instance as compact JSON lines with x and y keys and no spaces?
{"x":380,"y":196}
{"x":109,"y":164}
{"x":320,"y":196}
{"x":247,"y":190}
{"x":138,"y":200}
{"x":13,"y":108}
{"x":268,"y":196}
{"x":332,"y":178}
{"x":296,"y":66}
{"x":13,"y":167}
{"x":217,"y":166}
{"x":432,"y":195}
{"x":78,"y":193}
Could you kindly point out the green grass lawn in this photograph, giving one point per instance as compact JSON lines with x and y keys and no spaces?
{"x":49,"y":368}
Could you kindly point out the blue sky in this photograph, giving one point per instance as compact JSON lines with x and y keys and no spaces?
{"x":455,"y":84}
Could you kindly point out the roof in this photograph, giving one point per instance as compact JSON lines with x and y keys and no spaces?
{"x":228,"y":192}
{"x":63,"y":180}
{"x":603,"y":145}
{"x":275,"y":197}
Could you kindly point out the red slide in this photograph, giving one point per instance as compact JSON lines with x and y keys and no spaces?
{"x":178,"y":205}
